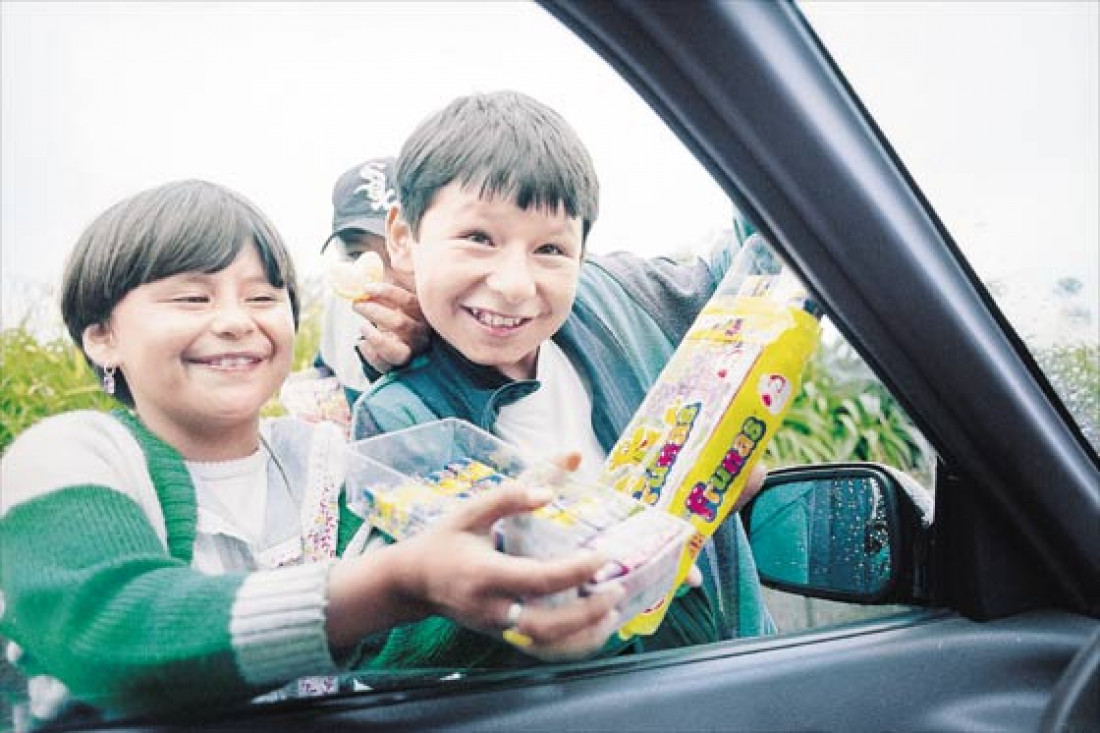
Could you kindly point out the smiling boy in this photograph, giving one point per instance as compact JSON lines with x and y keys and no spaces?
{"x":549,"y":349}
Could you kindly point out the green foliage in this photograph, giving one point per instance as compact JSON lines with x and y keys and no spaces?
{"x":40,"y":379}
{"x":1074,"y":372}
{"x":308,"y":339}
{"x":844,"y":413}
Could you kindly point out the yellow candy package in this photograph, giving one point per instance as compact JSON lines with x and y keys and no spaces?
{"x":725,"y":391}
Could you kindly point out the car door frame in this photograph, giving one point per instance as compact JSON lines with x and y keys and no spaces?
{"x":749,"y":89}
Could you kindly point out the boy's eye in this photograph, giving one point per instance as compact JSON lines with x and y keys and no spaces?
{"x":551,"y":249}
{"x":477,"y":237}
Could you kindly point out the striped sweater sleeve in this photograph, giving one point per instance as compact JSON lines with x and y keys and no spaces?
{"x":93,"y":597}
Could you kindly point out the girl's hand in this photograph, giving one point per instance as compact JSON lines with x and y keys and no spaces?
{"x":452,"y":569}
{"x":470,"y":582}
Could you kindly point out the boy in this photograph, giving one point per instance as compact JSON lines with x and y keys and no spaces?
{"x":532,"y":341}
{"x":360,"y":341}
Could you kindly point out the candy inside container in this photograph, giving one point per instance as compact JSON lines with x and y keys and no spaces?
{"x":404,"y":480}
{"x":349,"y":278}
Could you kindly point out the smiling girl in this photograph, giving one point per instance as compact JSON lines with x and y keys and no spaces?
{"x":184,"y":549}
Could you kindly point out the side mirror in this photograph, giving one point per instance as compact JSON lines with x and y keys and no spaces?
{"x":847,"y":532}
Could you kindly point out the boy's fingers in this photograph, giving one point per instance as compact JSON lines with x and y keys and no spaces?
{"x":694,"y":577}
{"x":383,"y":346}
{"x":568,"y":461}
{"x":752,"y":486}
{"x":372,"y":355}
{"x":384,"y":317}
{"x":394,"y":297}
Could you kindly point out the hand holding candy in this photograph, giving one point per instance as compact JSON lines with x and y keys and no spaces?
{"x":350,"y":278}
{"x":452,"y":569}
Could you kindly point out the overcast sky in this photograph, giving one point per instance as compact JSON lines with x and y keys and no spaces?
{"x":101,"y":100}
{"x":276,"y":100}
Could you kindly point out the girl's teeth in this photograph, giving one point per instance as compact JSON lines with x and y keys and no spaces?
{"x":236,"y":361}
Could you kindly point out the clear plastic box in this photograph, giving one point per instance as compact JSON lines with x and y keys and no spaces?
{"x":400,"y":482}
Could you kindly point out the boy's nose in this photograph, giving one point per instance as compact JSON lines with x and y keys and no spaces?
{"x":513,"y":278}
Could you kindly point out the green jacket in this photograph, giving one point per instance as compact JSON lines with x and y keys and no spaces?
{"x":628,"y":317}
{"x":96,"y":539}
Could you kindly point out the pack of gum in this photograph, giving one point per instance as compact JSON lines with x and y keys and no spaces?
{"x":403,"y":481}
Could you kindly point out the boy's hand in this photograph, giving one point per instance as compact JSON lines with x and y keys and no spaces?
{"x":393,"y":329}
{"x":752,"y":486}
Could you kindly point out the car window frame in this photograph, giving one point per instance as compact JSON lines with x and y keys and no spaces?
{"x":981,"y":398}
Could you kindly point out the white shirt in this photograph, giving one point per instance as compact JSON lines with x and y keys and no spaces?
{"x":231,"y":495}
{"x":556,"y":418}
{"x":247,"y":519}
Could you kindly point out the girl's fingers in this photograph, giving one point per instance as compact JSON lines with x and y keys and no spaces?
{"x":546,"y":624}
{"x":478,"y":513}
{"x":522,"y":577}
{"x":578,"y":645}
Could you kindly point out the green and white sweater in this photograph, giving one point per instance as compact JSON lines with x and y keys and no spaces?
{"x":97,"y":530}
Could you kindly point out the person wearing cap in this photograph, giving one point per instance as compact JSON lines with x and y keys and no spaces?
{"x":361,"y":341}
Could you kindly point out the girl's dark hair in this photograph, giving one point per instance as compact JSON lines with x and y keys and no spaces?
{"x":183,"y":226}
{"x":504,"y":144}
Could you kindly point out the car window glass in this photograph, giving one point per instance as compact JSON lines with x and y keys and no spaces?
{"x":277,"y":99}
{"x":993,"y":109}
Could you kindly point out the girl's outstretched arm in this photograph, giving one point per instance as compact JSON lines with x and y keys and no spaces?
{"x":452,"y":570}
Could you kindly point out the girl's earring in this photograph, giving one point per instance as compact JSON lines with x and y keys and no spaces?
{"x":109,"y":379}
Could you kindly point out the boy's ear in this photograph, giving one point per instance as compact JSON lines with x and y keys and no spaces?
{"x":99,"y":344}
{"x":399,"y":243}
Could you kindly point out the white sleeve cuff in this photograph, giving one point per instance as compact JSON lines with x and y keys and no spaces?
{"x":278,"y":625}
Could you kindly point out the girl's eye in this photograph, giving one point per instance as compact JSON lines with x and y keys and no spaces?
{"x":190,"y":299}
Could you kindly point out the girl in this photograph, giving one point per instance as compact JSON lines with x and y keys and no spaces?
{"x":184,"y":549}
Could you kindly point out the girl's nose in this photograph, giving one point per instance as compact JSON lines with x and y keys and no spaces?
{"x":232,"y":320}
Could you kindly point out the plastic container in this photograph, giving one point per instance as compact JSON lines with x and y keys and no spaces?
{"x":404,"y":480}
{"x":705,"y":423}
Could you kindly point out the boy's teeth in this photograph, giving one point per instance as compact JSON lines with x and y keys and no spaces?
{"x":497,"y":321}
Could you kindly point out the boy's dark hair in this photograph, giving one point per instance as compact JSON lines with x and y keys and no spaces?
{"x":183,"y":226}
{"x":503,"y":144}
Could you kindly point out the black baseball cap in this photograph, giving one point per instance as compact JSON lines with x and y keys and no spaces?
{"x":361,"y":198}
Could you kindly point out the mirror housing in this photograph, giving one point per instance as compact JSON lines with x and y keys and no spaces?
{"x":852,"y":532}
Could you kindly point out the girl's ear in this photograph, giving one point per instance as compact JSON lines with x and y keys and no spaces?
{"x":99,"y":344}
{"x":399,"y":244}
